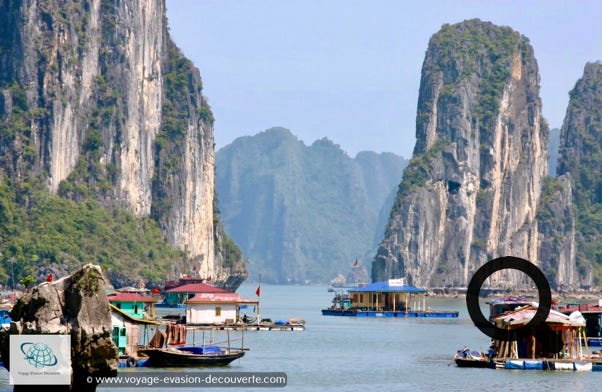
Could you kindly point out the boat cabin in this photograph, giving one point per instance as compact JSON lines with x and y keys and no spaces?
{"x":217,"y":308}
{"x":134,"y":304}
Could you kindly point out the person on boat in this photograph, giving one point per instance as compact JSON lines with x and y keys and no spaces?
{"x":492,"y":352}
{"x":245,"y":319}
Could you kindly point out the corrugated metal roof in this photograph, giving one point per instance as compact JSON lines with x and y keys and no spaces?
{"x":386,"y":287}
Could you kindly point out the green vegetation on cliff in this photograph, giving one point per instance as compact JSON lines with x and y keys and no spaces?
{"x":42,"y":232}
{"x":475,"y":49}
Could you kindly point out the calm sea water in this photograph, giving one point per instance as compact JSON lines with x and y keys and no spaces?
{"x":372,"y":354}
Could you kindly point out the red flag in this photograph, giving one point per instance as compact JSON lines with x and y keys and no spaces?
{"x":355,"y":264}
{"x":258,"y":291}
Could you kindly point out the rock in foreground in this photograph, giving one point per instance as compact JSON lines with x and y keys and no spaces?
{"x":76,"y":305}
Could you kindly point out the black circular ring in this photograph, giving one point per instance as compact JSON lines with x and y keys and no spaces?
{"x":508,"y":262}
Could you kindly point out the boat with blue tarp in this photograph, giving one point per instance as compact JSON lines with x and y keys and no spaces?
{"x":392,"y":298}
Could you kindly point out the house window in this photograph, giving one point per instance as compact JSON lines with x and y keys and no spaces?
{"x":218,"y":311}
{"x":136,"y":309}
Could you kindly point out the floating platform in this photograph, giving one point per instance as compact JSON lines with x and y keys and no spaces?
{"x":390,"y":313}
{"x":251,"y":327}
{"x":550,"y":364}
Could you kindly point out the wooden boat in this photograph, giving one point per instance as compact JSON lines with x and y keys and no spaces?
{"x":169,"y":350}
{"x":192,"y":356}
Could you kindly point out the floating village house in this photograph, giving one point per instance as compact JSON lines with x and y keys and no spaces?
{"x":392,"y":298}
{"x":128,"y":331}
{"x":217,"y":308}
{"x":392,"y":295}
{"x":180,"y":294}
{"x":568,"y":330}
{"x":136,"y":305}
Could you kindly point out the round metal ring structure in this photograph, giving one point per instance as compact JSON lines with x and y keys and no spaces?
{"x":501,"y":263}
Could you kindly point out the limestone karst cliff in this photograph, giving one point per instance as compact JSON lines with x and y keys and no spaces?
{"x":580,"y":159}
{"x":99,"y":102}
{"x":471,"y":190}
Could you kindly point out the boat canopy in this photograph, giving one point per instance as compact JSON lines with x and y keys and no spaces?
{"x":390,"y":286}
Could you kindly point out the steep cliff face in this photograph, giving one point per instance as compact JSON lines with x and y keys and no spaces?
{"x":471,"y":190}
{"x":581,"y":157}
{"x":557,"y":228}
{"x":100,"y":103}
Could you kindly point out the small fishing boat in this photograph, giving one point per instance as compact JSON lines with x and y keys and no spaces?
{"x":190,"y":356}
{"x":169,"y":349}
{"x":472,"y":359}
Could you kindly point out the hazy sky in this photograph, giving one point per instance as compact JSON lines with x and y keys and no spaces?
{"x":349,"y":70}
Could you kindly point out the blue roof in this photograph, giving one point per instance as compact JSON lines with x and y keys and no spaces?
{"x":385,"y":287}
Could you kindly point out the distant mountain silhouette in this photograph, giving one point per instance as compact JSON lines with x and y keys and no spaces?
{"x":303,"y":213}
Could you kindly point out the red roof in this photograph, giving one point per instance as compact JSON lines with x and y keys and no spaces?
{"x":196,"y":288}
{"x":130,"y":297}
{"x":226,"y":297}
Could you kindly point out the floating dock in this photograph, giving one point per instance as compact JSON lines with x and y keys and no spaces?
{"x":550,"y":364}
{"x":391,"y":313}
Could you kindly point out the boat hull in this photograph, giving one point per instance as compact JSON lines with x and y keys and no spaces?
{"x":159,"y":357}
{"x":374,"y":313}
{"x":473,"y":363}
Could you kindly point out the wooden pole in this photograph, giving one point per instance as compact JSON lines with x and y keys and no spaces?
{"x":242,"y":339}
{"x":532,"y":346}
